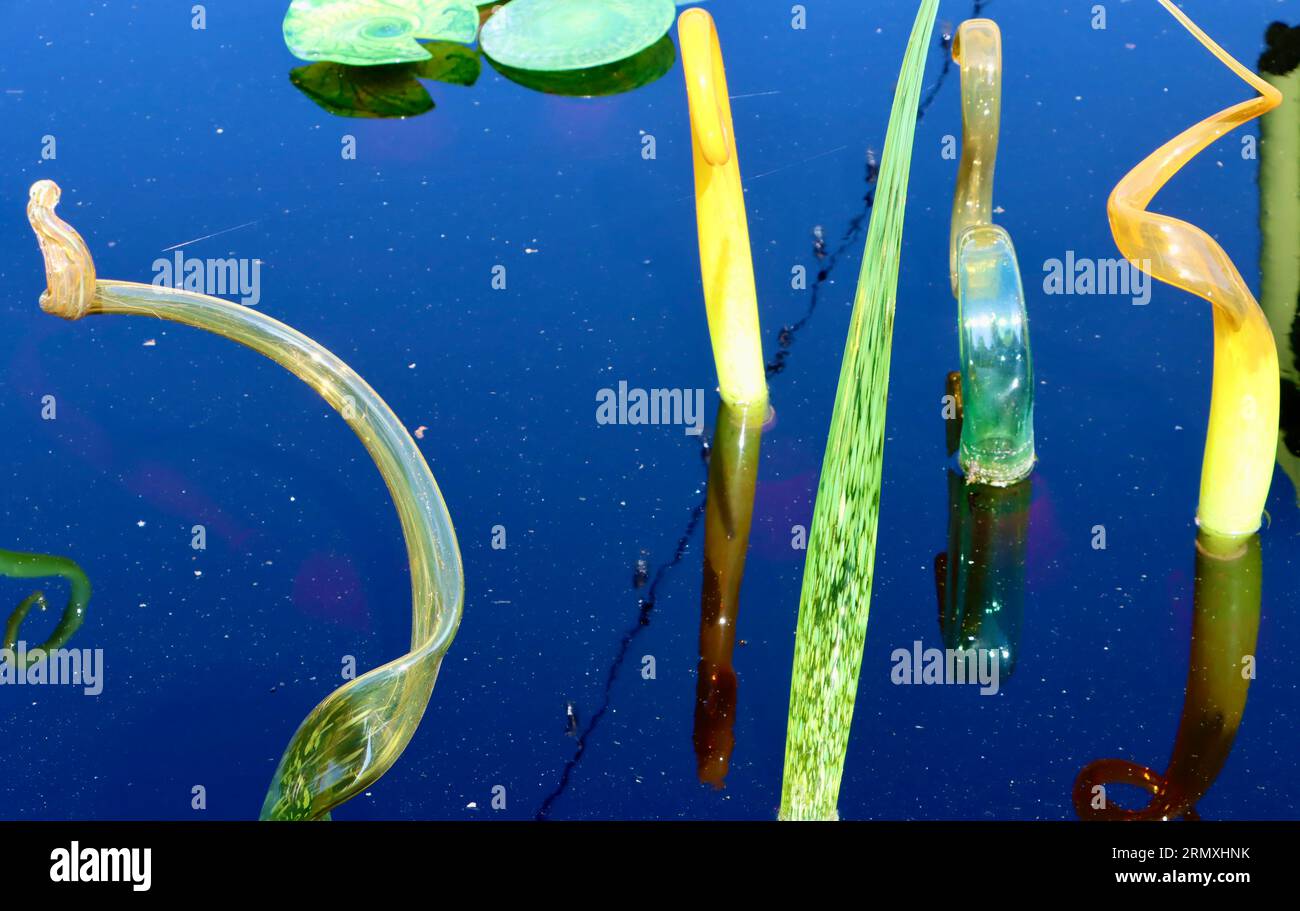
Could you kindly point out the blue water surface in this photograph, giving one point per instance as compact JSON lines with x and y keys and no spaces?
{"x":166,"y":134}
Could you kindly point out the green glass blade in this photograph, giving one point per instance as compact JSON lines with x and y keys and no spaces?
{"x":836,"y":596}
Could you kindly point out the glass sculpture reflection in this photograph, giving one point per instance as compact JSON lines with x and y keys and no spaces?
{"x":614,"y":78}
{"x":386,"y":91}
{"x":728,"y":512}
{"x":980,"y":578}
{"x":1279,"y":215}
{"x":1225,"y":627}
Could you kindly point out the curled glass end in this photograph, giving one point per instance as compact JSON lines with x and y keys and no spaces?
{"x":997,"y":435}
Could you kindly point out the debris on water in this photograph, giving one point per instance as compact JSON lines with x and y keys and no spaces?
{"x":150,"y":342}
{"x":419,"y":432}
{"x":641,"y":573}
{"x":570,"y":719}
{"x":819,"y":241}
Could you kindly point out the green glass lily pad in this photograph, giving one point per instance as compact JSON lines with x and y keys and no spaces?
{"x":386,"y":91}
{"x":610,"y":79}
{"x":375,"y":32}
{"x":559,"y":35}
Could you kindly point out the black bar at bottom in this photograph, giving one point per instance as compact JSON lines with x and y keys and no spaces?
{"x":440,"y":860}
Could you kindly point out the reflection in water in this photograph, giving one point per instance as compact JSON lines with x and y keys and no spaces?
{"x":644,"y":612}
{"x":395,"y":91}
{"x":615,"y":78}
{"x":386,"y":91}
{"x":1224,"y":628}
{"x":785,"y":338}
{"x":980,"y":580}
{"x":733,"y":470}
{"x":1279,"y":213}
{"x":17,"y":565}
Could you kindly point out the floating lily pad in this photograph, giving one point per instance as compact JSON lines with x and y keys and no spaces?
{"x":559,"y":35}
{"x":375,"y":32}
{"x":610,"y":79}
{"x":386,"y":91}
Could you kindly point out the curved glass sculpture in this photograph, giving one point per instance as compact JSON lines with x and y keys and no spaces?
{"x":18,"y":565}
{"x":1225,"y":627}
{"x":1279,"y":216}
{"x":728,"y":513}
{"x":1241,"y":440}
{"x":997,"y":435}
{"x":836,"y":597}
{"x":555,"y":35}
{"x":374,"y":32}
{"x":726,"y":266}
{"x":997,"y":376}
{"x":356,"y":734}
{"x":980,"y":579}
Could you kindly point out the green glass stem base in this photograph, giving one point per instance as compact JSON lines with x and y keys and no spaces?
{"x":997,"y":434}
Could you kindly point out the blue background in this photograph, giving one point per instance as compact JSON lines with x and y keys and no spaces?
{"x":165,"y":134}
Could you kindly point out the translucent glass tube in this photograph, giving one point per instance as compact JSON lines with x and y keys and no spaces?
{"x":356,"y":734}
{"x":997,"y":376}
{"x":1241,"y":439}
{"x":997,"y":435}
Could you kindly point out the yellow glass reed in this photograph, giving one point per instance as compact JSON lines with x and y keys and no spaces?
{"x":725,"y":263}
{"x":977,"y":49}
{"x":1241,"y":440}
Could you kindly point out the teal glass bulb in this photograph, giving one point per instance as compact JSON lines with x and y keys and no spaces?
{"x":997,"y":435}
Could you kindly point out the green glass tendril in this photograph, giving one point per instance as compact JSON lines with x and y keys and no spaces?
{"x":18,"y":565}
